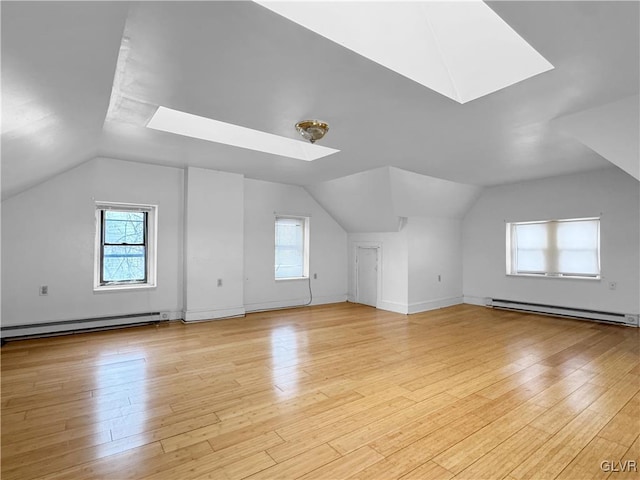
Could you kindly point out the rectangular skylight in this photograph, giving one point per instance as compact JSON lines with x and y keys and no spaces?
{"x":461,"y":49}
{"x":189,"y":125}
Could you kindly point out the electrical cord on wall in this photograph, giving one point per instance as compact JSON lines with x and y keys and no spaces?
{"x":310,"y":294}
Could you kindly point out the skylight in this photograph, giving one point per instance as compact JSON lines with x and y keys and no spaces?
{"x":460,"y":49}
{"x":189,"y":125}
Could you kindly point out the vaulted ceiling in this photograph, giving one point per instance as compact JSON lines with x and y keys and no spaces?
{"x":81,"y":79}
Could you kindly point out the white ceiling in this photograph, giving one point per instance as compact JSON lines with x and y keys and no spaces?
{"x":611,"y":130}
{"x":240,"y":63}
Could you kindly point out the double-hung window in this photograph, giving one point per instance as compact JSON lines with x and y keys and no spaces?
{"x":554,"y":248}
{"x":125,"y":246}
{"x":291,"y":247}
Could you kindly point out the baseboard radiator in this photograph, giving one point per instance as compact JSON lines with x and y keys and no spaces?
{"x":67,"y":327}
{"x":579,"y":313}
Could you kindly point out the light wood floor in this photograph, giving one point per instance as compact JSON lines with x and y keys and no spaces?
{"x":328,"y":392}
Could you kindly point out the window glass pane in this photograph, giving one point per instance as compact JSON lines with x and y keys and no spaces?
{"x":567,"y":247}
{"x":578,"y":235}
{"x":532,"y":236}
{"x":532,"y":261}
{"x":289,"y":251}
{"x":123,"y":264}
{"x":584,"y":262}
{"x":124,"y":227}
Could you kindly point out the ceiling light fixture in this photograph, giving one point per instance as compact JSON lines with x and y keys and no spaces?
{"x":312,"y":130}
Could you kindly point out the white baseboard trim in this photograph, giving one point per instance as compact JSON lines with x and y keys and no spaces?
{"x":433,"y":304}
{"x":297,"y":302}
{"x":202,"y":315}
{"x":471,"y":300}
{"x":396,"y":307}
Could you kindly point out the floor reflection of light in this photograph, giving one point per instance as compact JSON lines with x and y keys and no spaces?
{"x":120,"y":404}
{"x":284,"y":360}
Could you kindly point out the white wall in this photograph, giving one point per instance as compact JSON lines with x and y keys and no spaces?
{"x":611,"y":194}
{"x":214,"y":235}
{"x":612,"y":130}
{"x":415,"y":195}
{"x":435,"y":246}
{"x":410,"y":262}
{"x":392,"y":265}
{"x":224,"y":222}
{"x":360,"y":202}
{"x":328,"y":248}
{"x":48,"y":235}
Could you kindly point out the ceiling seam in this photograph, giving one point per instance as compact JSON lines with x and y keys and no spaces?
{"x":442,"y":56}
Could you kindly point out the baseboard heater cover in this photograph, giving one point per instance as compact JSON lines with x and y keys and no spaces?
{"x":62,"y":327}
{"x":579,"y":313}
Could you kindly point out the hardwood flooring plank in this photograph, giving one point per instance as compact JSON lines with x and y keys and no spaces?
{"x":588,"y":463}
{"x":330,"y":391}
{"x":555,"y":454}
{"x":345,"y":466}
{"x":505,"y":457}
{"x":428,"y":471}
{"x":467,"y":451}
{"x":299,"y":465}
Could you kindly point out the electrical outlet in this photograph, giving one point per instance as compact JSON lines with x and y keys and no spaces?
{"x":613,"y":285}
{"x":164,"y":315}
{"x":315,"y":276}
{"x":439,"y":278}
{"x":44,"y":290}
{"x":219,"y":282}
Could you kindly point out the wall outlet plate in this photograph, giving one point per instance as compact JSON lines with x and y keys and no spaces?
{"x":43,"y":290}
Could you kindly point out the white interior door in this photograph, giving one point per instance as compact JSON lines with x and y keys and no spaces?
{"x":367,"y":276}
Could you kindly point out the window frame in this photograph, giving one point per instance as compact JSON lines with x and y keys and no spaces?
{"x":150,"y":238}
{"x":305,"y":246}
{"x":553,"y":250}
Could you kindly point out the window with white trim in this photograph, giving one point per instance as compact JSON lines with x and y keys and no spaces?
{"x":291,"y":247}
{"x":554,"y":248}
{"x":125,"y":251}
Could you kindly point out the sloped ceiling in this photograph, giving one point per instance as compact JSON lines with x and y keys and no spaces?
{"x":611,"y":130}
{"x":58,"y":62}
{"x":241,"y":63}
{"x":415,"y":195}
{"x":361,"y":202}
{"x":377,"y":200}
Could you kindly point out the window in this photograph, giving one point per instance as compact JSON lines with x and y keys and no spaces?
{"x":292,"y":247}
{"x":125,"y":246}
{"x":555,"y":248}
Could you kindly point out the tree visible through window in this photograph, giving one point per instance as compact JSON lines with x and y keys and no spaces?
{"x":124,"y":246}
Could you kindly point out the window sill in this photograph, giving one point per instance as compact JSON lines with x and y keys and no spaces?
{"x":291,"y":278}
{"x":120,"y":288}
{"x":559,"y":277}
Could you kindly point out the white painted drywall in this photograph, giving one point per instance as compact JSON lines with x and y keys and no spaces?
{"x":360,"y":202}
{"x":415,"y":195}
{"x":393,"y":264}
{"x":612,"y":130}
{"x":435,"y":245}
{"x":48,"y":235}
{"x":611,"y":194}
{"x":214,"y":236}
{"x":327,"y":249}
